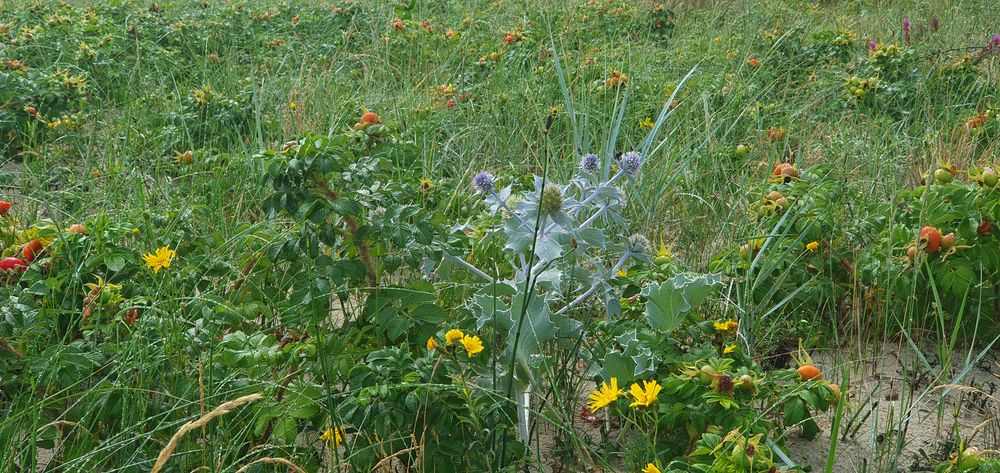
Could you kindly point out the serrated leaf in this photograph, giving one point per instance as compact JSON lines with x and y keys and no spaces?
{"x":669,"y":302}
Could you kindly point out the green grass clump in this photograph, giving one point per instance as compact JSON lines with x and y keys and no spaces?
{"x":308,"y":164}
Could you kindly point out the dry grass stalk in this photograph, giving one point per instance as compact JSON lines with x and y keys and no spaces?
{"x":223,"y":409}
{"x":273,"y":461}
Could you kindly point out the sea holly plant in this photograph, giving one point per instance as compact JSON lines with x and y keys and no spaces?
{"x":565,"y":245}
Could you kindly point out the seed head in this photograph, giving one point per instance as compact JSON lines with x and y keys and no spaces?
{"x":639,"y":244}
{"x":725,"y":385}
{"x":552,"y":199}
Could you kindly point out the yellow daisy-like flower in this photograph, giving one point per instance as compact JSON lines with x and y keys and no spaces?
{"x":646,"y":123}
{"x":650,"y":468}
{"x":431,"y":343}
{"x":333,"y":436}
{"x":812,"y":246}
{"x":160,"y":259}
{"x":605,"y":395}
{"x":726,"y":327}
{"x":472,"y":344}
{"x":729,"y":349}
{"x":646,"y":395}
{"x":622,"y":273}
{"x":292,"y":106}
{"x":453,"y":335}
{"x":426,"y":185}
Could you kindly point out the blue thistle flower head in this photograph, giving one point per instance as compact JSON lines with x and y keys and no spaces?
{"x":590,"y":163}
{"x":483,"y":183}
{"x":630,"y":162}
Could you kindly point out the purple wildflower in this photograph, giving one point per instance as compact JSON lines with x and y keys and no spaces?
{"x":872,"y":45}
{"x":630,"y":162}
{"x":589,"y":163}
{"x":935,"y":24}
{"x":906,"y":29}
{"x":483,"y":183}
{"x":995,"y":40}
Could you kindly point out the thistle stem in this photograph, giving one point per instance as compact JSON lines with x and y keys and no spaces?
{"x":610,"y":182}
{"x":471,"y":268}
{"x":593,"y":218}
{"x":594,"y":287}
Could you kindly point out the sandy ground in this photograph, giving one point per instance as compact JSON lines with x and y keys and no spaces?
{"x":892,"y":395}
{"x":890,"y":392}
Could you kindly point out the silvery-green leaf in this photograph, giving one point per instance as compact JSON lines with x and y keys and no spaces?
{"x":550,"y":279}
{"x":492,"y":311}
{"x":518,"y":238}
{"x":531,"y":327}
{"x":567,"y":327}
{"x":590,"y":237}
{"x":632,"y":362}
{"x":562,"y":219}
{"x":667,"y":303}
{"x":612,"y":304}
{"x":617,"y":365}
{"x":548,"y":249}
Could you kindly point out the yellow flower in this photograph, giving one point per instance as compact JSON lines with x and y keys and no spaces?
{"x":621,"y":273}
{"x":729,"y":349}
{"x":453,"y":335}
{"x":726,"y":327}
{"x":646,"y":395}
{"x":431,"y":343}
{"x":203,"y":95}
{"x":187,"y":157}
{"x":472,"y":344}
{"x":161,"y":259}
{"x":426,"y":185}
{"x":605,"y":395}
{"x":333,"y":436}
{"x":812,"y":246}
{"x":135,"y":229}
{"x":650,"y":468}
{"x":292,"y":106}
{"x":646,"y":123}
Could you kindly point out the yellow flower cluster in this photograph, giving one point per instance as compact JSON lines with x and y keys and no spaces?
{"x":643,"y":396}
{"x":472,"y":343}
{"x":726,"y":327}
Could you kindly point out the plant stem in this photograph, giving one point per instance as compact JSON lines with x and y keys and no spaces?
{"x":593,"y":287}
{"x":471,"y":268}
